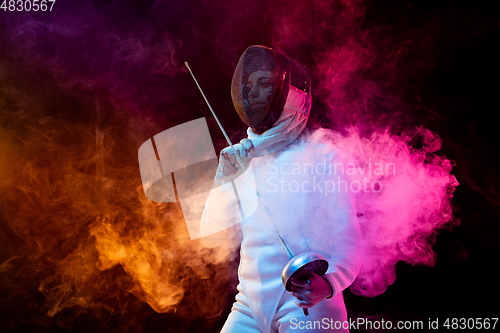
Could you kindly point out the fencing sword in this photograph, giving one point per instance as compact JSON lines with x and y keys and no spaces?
{"x":288,"y":251}
{"x":297,"y":265}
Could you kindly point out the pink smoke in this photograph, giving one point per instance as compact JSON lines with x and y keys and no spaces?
{"x":365,"y":90}
{"x":403,"y":200}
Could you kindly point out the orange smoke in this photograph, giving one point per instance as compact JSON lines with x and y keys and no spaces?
{"x":79,"y":233}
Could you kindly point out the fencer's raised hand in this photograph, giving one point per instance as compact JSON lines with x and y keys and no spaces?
{"x":310,"y":289}
{"x":228,"y":164}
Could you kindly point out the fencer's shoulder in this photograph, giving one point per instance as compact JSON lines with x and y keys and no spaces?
{"x":317,"y":143}
{"x":323,"y":137}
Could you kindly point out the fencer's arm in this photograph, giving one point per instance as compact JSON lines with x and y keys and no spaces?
{"x":342,"y":272}
{"x":215,"y":233}
{"x":347,"y":250}
{"x":230,"y":238}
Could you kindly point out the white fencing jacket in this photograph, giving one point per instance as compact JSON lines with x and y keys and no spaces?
{"x":311,"y":207}
{"x":309,"y":219}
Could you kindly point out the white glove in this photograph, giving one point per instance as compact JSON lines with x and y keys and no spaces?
{"x":228,"y":164}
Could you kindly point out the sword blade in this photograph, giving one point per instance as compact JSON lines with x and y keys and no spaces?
{"x":288,"y":251}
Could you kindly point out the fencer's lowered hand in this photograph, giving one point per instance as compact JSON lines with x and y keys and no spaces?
{"x":310,"y":289}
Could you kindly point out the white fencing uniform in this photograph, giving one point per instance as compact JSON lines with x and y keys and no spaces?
{"x":310,"y":220}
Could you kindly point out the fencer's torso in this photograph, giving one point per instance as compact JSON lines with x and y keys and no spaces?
{"x":309,"y":220}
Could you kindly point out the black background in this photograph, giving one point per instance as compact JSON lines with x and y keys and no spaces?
{"x":116,"y":67}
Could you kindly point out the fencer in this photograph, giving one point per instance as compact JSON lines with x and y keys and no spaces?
{"x":272,"y":95}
